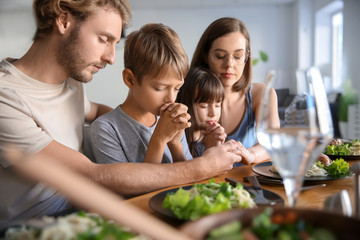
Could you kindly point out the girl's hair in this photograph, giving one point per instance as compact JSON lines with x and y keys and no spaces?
{"x":200,"y":85}
{"x":154,"y":50}
{"x":46,"y":11}
{"x":219,"y":28}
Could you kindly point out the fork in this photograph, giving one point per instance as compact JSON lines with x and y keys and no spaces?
{"x":259,"y":197}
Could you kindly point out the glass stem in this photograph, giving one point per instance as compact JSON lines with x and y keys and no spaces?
{"x":292,"y":189}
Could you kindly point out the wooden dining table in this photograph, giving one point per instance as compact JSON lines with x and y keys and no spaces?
{"x":309,"y":199}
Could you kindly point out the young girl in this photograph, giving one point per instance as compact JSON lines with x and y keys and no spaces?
{"x":203,"y":94}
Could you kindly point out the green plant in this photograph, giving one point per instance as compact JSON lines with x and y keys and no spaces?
{"x":349,"y":97}
{"x":262,"y":57}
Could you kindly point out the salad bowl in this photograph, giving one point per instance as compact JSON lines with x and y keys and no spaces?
{"x":340,"y":226}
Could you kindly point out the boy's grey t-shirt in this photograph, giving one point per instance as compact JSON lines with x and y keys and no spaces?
{"x":116,"y":137}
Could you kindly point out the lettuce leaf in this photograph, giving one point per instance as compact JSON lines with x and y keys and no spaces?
{"x":211,"y":198}
{"x":341,"y":149}
{"x":338,"y":168}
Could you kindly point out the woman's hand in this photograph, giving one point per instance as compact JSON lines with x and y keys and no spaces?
{"x":248,"y":157}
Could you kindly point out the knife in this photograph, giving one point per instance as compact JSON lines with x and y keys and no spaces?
{"x":233,"y":181}
{"x":271,"y":181}
{"x":265,"y":180}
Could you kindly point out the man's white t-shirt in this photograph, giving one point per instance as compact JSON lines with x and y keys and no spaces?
{"x":32,"y":114}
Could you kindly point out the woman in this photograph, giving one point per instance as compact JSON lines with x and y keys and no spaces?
{"x":224,"y":48}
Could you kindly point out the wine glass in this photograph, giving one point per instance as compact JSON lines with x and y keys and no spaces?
{"x":303,"y":134}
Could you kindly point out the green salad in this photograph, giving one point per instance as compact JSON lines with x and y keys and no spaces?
{"x":344,"y":148}
{"x":208,"y":198}
{"x":264,"y":226}
{"x":337,"y":168}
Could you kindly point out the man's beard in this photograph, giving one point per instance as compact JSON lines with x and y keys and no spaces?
{"x":69,"y":57}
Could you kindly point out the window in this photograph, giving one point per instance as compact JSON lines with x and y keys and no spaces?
{"x":337,"y":47}
{"x":328,"y":45}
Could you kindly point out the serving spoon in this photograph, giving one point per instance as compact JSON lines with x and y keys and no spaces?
{"x":259,"y":197}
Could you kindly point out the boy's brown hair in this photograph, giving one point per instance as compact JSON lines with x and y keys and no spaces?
{"x":154,"y":50}
{"x":47,"y":11}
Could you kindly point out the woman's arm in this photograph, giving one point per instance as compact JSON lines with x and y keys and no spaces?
{"x":257,"y":153}
{"x":257,"y":92}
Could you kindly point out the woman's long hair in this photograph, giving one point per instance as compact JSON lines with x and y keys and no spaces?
{"x":215,"y":30}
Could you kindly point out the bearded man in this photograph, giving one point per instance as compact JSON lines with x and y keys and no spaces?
{"x":43,"y":108}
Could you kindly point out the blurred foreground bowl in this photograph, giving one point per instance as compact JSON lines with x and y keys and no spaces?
{"x":343,"y":227}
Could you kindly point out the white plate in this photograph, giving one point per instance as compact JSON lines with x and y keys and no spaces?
{"x":264,"y":170}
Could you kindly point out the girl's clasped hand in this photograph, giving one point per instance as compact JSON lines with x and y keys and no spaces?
{"x":214,"y":135}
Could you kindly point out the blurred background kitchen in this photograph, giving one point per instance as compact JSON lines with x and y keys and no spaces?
{"x":294,"y":34}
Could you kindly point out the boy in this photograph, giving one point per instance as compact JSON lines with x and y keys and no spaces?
{"x":155,"y":67}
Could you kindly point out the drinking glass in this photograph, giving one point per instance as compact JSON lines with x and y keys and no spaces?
{"x":303,"y":134}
